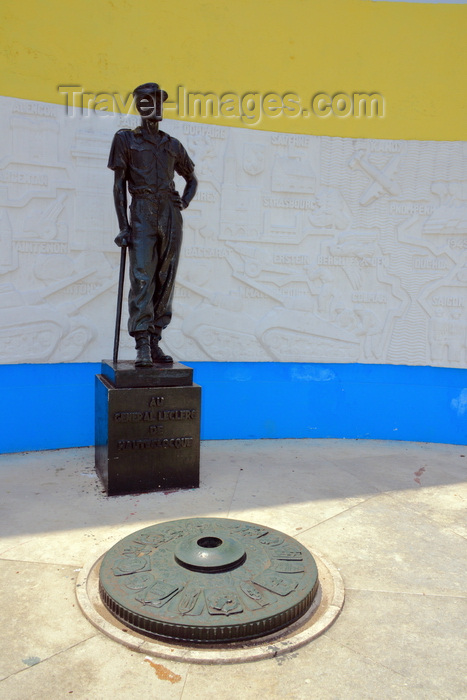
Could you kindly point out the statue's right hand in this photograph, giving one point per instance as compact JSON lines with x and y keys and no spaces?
{"x":123,"y":238}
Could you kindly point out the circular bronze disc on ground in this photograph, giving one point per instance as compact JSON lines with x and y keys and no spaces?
{"x":208,"y":580}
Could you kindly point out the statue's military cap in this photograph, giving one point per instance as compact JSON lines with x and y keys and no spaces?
{"x":149,"y":89}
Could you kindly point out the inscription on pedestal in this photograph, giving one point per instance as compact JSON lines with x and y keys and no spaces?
{"x":147,"y":438}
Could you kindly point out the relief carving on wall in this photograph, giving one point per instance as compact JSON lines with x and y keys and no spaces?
{"x":296,"y":248}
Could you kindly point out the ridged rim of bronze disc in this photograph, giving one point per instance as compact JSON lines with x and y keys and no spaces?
{"x":210,"y":635}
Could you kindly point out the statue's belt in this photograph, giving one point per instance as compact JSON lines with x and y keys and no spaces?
{"x":153,"y":196}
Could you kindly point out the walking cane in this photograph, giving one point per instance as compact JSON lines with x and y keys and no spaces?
{"x":121,"y":281}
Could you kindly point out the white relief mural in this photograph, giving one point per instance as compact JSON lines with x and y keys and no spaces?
{"x":296,"y":248}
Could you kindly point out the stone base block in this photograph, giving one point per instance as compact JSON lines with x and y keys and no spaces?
{"x":147,"y":437}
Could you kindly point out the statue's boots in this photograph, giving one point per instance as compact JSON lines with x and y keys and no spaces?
{"x":143,"y":350}
{"x":158,"y":355}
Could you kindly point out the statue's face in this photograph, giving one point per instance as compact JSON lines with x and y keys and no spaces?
{"x":150,"y":106}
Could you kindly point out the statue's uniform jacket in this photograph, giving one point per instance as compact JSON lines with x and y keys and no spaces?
{"x":148,"y":163}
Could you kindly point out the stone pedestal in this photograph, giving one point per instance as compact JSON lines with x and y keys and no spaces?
{"x":147,"y":428}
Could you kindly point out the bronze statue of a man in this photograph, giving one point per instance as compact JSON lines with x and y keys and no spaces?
{"x":144,"y":160}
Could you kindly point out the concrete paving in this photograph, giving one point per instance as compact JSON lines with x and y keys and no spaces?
{"x":390,"y":515}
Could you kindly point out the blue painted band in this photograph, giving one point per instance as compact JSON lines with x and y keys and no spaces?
{"x":51,"y":406}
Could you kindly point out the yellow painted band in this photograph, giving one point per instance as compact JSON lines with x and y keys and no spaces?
{"x":412,"y":55}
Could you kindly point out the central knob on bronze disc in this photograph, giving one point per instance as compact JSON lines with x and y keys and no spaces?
{"x":210,"y":553}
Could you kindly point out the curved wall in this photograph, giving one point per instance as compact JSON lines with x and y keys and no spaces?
{"x":323,"y":285}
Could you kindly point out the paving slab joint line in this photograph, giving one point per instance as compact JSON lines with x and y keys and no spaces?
{"x":318,"y":619}
{"x":337,"y":515}
{"x":396,"y":496}
{"x":460,"y":596}
{"x":52,"y":656}
{"x":61,"y":565}
{"x":234,"y":492}
{"x":369,"y":658}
